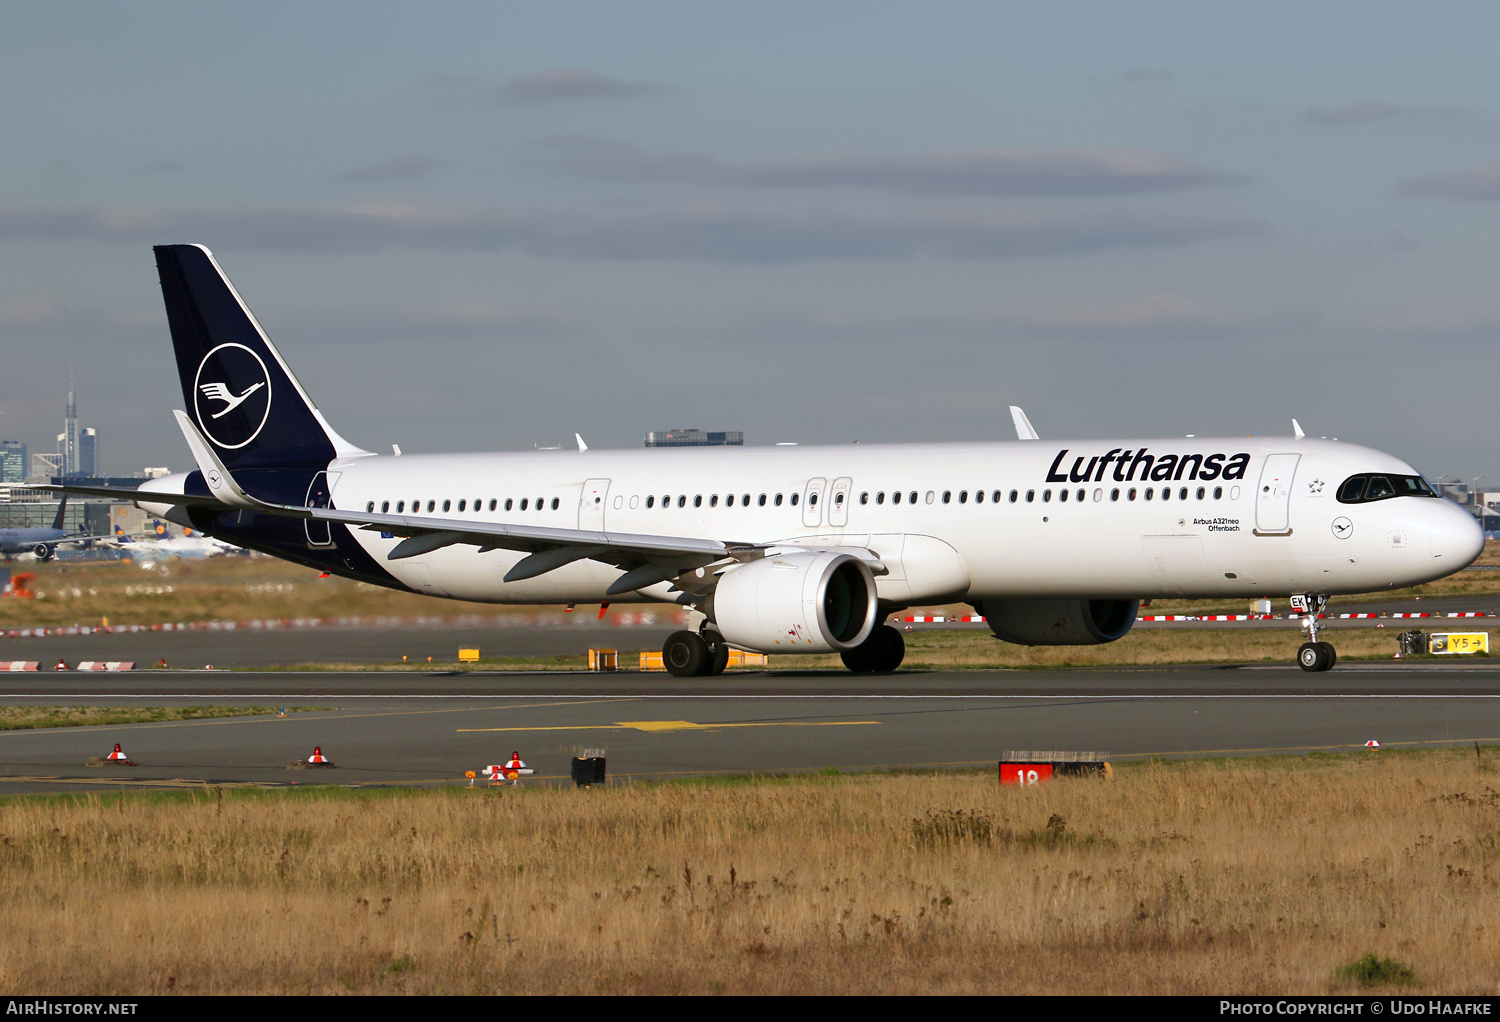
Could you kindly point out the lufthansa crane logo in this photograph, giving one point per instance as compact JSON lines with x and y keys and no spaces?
{"x":232,"y":396}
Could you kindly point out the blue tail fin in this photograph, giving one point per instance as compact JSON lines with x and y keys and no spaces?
{"x":239,"y":392}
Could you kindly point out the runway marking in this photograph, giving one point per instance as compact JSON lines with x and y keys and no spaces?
{"x":673,"y":725}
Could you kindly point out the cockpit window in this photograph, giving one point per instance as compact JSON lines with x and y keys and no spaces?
{"x":1362,"y":489}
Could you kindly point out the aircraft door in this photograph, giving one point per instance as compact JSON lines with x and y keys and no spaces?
{"x":812,"y":503}
{"x":1274,"y":494}
{"x":838,"y":502}
{"x":318,"y":533}
{"x":591,"y":504}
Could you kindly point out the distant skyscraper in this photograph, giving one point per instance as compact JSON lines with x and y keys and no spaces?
{"x":694,"y":438}
{"x":88,"y":453}
{"x":12,"y":461}
{"x":45,"y":466}
{"x":67,"y":440}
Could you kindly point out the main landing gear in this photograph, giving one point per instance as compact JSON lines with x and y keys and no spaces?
{"x":881,"y":653}
{"x":1313,"y":655}
{"x":690,"y":655}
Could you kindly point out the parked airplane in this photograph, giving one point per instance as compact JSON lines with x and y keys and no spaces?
{"x":43,"y":543}
{"x":789,"y":549}
{"x":191,"y":545}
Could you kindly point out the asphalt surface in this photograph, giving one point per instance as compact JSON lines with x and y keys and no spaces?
{"x":417,"y":728}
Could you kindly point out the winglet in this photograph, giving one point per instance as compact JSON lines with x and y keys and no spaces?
{"x":1297,"y":431}
{"x":581,"y":445}
{"x":1024,"y":428}
{"x":215,"y":474}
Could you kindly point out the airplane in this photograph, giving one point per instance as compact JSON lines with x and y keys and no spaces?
{"x":190,"y":544}
{"x":43,"y":543}
{"x":789,"y":549}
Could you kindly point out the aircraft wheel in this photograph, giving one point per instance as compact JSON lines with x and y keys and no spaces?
{"x":718,"y":653}
{"x":881,"y":653}
{"x":1331,"y":654}
{"x":686,"y":655}
{"x":1311,"y":656}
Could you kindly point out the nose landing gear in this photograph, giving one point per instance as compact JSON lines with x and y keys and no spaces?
{"x":1313,"y":655}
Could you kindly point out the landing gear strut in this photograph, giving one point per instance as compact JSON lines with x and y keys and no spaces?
{"x":1313,"y":655}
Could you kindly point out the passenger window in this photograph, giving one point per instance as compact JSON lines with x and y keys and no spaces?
{"x":1062,"y":496}
{"x":447,"y":505}
{"x":698,"y":500}
{"x":1046,"y":496}
{"x":1131,"y":494}
{"x":554,"y":503}
{"x":1030,"y":496}
{"x":896,"y":497}
{"x":880,"y":497}
{"x":1218,"y":492}
{"x":745,"y":500}
{"x":729,"y":500}
{"x":400,"y":506}
{"x":1013,"y":494}
{"x":995,"y":497}
{"x":864,"y":498}
{"x":963,"y":496}
{"x":911,"y":498}
{"x":1080,"y":496}
{"x":682,"y":500}
{"x":794,"y":500}
{"x":1200,"y":493}
{"x":525,"y":502}
{"x":431,"y":505}
{"x":778,"y":500}
{"x":1098,"y":494}
{"x":812,"y":501}
{"x":385,"y":506}
{"x":1182,"y":493}
{"x":507,"y":504}
{"x":651,"y":500}
{"x":947,"y":496}
{"x":539,"y":502}
{"x":713,"y":501}
{"x":838,"y":500}
{"x":979,"y":496}
{"x":1114,"y":494}
{"x":1166,"y":493}
{"x":1148,"y":493}
{"x":463,"y":504}
{"x":761,"y":500}
{"x":931,"y":496}
{"x":370,"y":507}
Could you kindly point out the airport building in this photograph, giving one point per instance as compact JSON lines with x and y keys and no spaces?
{"x":695,"y":438}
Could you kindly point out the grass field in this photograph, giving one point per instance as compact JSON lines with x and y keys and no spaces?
{"x":244,"y":588}
{"x":22,"y":718}
{"x":1310,"y":875}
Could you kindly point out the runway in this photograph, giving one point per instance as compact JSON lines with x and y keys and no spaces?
{"x":384,"y":728}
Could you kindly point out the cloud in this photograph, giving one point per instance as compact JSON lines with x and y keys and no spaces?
{"x":1145,"y":75}
{"x":1350,"y":113}
{"x":566,"y":83}
{"x":1444,"y":319}
{"x":1009,"y":173}
{"x":397,"y":168}
{"x":708,"y":233}
{"x":1479,"y":184}
{"x":1151,"y":317}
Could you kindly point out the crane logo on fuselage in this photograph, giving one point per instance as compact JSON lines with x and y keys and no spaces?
{"x":232,"y":396}
{"x":1152,"y":467}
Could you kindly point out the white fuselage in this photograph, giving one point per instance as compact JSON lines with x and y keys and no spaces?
{"x":1272,"y":530}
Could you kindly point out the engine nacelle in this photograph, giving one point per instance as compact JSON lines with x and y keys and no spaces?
{"x":808,"y":601}
{"x":1059,"y":622}
{"x":42,"y":552}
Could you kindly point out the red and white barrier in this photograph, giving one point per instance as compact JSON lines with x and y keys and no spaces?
{"x":18,"y":665}
{"x":1423,"y":614}
{"x":1469,"y":613}
{"x":106,"y":665}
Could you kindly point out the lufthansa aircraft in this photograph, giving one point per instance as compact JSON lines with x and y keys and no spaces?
{"x":789,"y":549}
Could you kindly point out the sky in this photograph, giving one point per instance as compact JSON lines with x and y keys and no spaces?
{"x":488,"y":226}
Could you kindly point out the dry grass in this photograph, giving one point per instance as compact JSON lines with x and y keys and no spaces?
{"x":1212,"y":877}
{"x":21,"y":718}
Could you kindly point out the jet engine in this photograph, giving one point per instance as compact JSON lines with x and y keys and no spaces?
{"x":806,"y":601}
{"x":1059,"y":622}
{"x":42,"y":551}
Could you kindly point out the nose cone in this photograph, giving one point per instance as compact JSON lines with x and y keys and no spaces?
{"x":1455,"y":536}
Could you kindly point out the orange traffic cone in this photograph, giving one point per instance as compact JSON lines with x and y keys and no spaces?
{"x":1372,"y":744}
{"x":317,"y":757}
{"x":117,"y":756}
{"x":61,"y":666}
